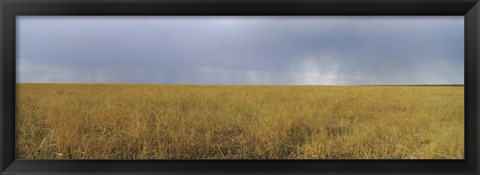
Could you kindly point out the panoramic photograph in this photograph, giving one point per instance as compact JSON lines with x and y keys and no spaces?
{"x":240,"y":87}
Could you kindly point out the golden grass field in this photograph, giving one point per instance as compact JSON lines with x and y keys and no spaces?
{"x":120,"y":121}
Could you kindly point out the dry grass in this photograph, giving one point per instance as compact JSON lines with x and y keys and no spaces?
{"x":107,"y":121}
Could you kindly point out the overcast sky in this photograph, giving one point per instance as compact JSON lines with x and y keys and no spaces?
{"x":298,"y":50}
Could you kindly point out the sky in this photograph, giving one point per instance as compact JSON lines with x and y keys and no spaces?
{"x":254,"y":50}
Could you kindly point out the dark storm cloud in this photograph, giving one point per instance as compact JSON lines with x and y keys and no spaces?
{"x":241,"y":50}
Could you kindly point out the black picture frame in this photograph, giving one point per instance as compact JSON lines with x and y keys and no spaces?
{"x":9,"y":9}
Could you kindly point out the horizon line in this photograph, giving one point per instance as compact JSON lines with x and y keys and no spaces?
{"x":426,"y":84}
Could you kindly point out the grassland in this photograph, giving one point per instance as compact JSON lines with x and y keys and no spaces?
{"x":113,"y":121}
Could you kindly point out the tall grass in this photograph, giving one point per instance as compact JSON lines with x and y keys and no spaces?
{"x":115,"y":121}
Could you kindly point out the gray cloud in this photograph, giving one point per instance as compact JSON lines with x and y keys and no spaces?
{"x":241,"y":50}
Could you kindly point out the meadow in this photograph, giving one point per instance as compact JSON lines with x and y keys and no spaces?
{"x":127,"y":121}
